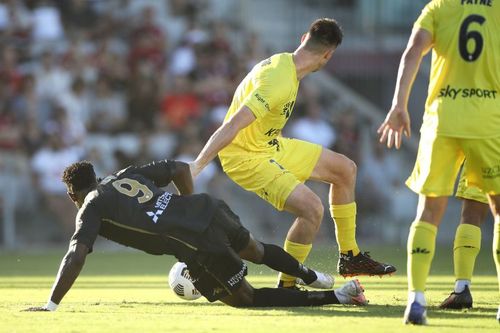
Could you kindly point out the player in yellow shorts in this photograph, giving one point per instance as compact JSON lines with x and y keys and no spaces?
{"x":256,"y":157}
{"x":461,"y":121}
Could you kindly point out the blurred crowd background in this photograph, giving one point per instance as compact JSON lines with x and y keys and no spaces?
{"x":122,"y":82}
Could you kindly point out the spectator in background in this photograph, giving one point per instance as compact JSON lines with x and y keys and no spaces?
{"x":51,"y":79}
{"x":109,"y":60}
{"x":71,"y":132}
{"x":15,"y":20}
{"x":107,"y":107}
{"x":9,"y":70}
{"x":76,"y":102}
{"x":10,"y":130}
{"x":183,"y":59}
{"x":47,"y":23}
{"x":379,"y":178}
{"x":79,"y":15}
{"x":143,"y":97}
{"x":148,"y":42}
{"x":348,"y":138}
{"x":48,"y":163}
{"x":180,"y":105}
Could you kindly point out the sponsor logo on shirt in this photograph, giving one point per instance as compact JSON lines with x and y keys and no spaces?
{"x":273,"y":132}
{"x":263,"y":101}
{"x":490,"y":173}
{"x":453,"y":93}
{"x":238,"y":277}
{"x":160,"y":206}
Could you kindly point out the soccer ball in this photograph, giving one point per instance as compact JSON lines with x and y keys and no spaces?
{"x":181,"y":283}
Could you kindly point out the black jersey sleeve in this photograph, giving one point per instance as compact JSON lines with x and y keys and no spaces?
{"x":160,"y":172}
{"x":88,"y":224}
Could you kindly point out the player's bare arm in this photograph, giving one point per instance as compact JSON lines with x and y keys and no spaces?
{"x":397,"y":121}
{"x":223,"y":136}
{"x":69,"y":270}
{"x":182,"y":178}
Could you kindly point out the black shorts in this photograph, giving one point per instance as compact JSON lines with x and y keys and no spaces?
{"x":216,"y":267}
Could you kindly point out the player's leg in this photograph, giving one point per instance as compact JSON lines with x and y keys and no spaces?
{"x":421,"y":245}
{"x":308,"y":209}
{"x":340,"y":172}
{"x":247,"y":296}
{"x":466,"y":248}
{"x":495,"y":209}
{"x":274,"y":183}
{"x":229,"y":230}
{"x":433,"y":177}
{"x":219,"y":274}
{"x":483,"y":172}
{"x":276,"y":258}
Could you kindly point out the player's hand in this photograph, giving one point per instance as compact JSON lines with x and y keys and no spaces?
{"x":394,"y":126}
{"x":37,"y":309}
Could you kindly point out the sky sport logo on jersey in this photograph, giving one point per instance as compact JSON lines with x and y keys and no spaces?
{"x":160,"y":206}
{"x":453,"y":93}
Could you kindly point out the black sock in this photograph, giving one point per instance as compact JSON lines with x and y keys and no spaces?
{"x":278,"y":259}
{"x":266,"y":297}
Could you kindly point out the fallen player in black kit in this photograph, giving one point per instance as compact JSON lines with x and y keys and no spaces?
{"x":129,"y":208}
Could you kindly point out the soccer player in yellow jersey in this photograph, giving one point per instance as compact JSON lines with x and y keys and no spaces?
{"x":461,"y":121}
{"x":257,"y":158}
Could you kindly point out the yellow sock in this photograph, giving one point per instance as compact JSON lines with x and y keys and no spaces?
{"x":344,"y":217}
{"x":465,"y":250}
{"x":421,"y":246}
{"x":299,"y":252}
{"x":496,"y":247}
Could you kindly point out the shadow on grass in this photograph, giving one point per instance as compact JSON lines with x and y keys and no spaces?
{"x":372,"y":310}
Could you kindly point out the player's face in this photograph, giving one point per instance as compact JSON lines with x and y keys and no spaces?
{"x":74,"y":197}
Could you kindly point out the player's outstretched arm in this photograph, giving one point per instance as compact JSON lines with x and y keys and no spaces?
{"x":397,"y":121}
{"x":69,"y":270}
{"x":221,"y":138}
{"x":182,"y":178}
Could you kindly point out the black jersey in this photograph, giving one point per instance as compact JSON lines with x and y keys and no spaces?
{"x":129,"y":207}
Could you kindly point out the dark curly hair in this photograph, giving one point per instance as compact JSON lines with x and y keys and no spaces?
{"x":324,"y":33}
{"x":79,"y":176}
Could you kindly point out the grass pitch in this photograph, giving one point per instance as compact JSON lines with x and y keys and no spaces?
{"x":128,"y":292}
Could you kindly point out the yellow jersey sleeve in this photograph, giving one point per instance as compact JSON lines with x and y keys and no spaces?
{"x":269,"y":92}
{"x":426,"y":19}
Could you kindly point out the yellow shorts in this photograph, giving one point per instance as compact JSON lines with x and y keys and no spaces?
{"x":469,"y":192}
{"x":275,"y":175}
{"x":439,"y":160}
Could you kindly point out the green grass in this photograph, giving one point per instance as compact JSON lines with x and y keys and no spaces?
{"x":128,"y":292}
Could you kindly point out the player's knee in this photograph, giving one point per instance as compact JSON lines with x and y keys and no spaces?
{"x":313,"y":211}
{"x":345,"y":171}
{"x":351,"y":169}
{"x":253,"y":252}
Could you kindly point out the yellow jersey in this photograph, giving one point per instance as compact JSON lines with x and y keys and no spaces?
{"x":269,"y":90}
{"x":464,"y":90}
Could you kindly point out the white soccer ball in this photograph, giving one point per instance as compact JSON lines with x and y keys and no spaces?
{"x":181,"y":283}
